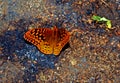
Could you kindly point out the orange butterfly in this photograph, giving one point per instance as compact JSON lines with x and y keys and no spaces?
{"x":48,"y":41}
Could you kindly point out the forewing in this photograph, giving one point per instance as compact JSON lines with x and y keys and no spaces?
{"x":63,"y":37}
{"x":40,"y":37}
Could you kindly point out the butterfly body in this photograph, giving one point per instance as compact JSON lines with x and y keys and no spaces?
{"x":48,"y":41}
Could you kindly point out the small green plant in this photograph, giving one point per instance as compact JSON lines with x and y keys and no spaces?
{"x":102,"y":19}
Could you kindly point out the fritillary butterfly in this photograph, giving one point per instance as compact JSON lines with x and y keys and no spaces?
{"x":48,"y":41}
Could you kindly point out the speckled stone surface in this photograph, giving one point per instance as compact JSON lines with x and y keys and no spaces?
{"x":91,"y":56}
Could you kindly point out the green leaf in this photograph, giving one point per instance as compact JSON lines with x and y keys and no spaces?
{"x":108,"y":23}
{"x":96,"y":18}
{"x":102,"y":19}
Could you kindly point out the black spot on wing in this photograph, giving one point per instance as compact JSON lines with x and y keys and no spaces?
{"x":61,"y":34}
{"x":38,"y":33}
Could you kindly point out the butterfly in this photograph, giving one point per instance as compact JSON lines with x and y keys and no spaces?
{"x":48,"y":40}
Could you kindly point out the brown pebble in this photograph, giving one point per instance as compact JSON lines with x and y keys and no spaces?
{"x":117,"y":32}
{"x":1,"y":62}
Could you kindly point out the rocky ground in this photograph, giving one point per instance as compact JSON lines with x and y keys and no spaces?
{"x":91,"y":56}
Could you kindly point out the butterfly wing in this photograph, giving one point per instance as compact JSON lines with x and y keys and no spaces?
{"x":62,"y":39}
{"x":40,"y":37}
